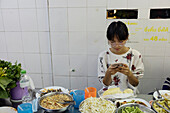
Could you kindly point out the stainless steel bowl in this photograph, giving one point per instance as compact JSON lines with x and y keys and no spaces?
{"x":54,"y":110}
{"x":141,"y":107}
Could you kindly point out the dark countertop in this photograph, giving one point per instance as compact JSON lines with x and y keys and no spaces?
{"x":71,"y":109}
{"x":7,"y":102}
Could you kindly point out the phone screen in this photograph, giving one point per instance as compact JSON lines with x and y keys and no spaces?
{"x":117,"y":65}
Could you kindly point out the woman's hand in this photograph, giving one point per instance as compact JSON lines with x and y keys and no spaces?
{"x":112,"y":69}
{"x":125,"y":70}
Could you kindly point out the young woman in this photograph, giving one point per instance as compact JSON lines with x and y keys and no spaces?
{"x":119,"y":66}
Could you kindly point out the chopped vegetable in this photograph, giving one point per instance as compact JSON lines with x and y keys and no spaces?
{"x":132,"y":110}
{"x":161,"y":102}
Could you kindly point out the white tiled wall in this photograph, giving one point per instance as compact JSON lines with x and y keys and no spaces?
{"x":63,"y":81}
{"x":76,"y":3}
{"x":79,"y":64}
{"x":52,"y":41}
{"x":96,"y":3}
{"x":96,"y":19}
{"x":44,"y":42}
{"x":30,"y":42}
{"x":11,"y":19}
{"x":77,"y":19}
{"x":92,"y":65}
{"x":79,"y":82}
{"x":28,"y":19}
{"x":59,"y":43}
{"x":14,"y":42}
{"x":9,"y":4}
{"x":58,"y":3}
{"x":26,"y":3}
{"x":3,"y":46}
{"x":77,"y":42}
{"x":58,"y":19}
{"x":61,"y":65}
{"x":42,"y":19}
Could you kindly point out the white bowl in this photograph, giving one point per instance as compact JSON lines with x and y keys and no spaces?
{"x":162,"y":92}
{"x":7,"y":109}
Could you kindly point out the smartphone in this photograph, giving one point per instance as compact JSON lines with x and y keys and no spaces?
{"x":117,"y":65}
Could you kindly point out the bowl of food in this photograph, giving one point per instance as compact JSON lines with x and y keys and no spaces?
{"x":134,"y":108}
{"x":54,"y":102}
{"x":97,"y":105}
{"x":163,"y":102}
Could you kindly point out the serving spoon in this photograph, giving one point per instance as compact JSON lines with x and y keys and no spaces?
{"x":66,"y":102}
{"x":167,"y":105}
{"x":162,"y":107}
{"x":159,"y":95}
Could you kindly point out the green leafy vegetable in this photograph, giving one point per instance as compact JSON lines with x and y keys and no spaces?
{"x":9,"y":75}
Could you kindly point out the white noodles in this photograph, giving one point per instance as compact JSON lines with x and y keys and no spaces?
{"x":97,"y":105}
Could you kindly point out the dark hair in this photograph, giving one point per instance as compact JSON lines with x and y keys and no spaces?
{"x":118,"y":29}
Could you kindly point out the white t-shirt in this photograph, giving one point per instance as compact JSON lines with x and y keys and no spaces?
{"x":132,"y":58}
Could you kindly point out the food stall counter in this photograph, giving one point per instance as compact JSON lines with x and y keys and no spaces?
{"x":71,"y":109}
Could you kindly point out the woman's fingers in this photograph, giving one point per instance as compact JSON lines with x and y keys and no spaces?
{"x":122,"y":69}
{"x":124,"y":65}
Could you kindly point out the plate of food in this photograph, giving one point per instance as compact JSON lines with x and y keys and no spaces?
{"x":116,"y":93}
{"x":118,"y":103}
{"x":46,"y":90}
{"x":164,"y":93}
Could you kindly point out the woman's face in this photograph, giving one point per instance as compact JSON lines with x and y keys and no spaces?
{"x":117,"y":45}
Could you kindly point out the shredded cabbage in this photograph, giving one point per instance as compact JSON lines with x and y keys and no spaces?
{"x":97,"y":105}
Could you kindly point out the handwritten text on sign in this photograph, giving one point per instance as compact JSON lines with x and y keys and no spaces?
{"x":154,"y":34}
{"x":152,"y":29}
{"x":158,"y":30}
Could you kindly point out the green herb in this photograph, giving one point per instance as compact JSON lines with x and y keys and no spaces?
{"x":9,"y":75}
